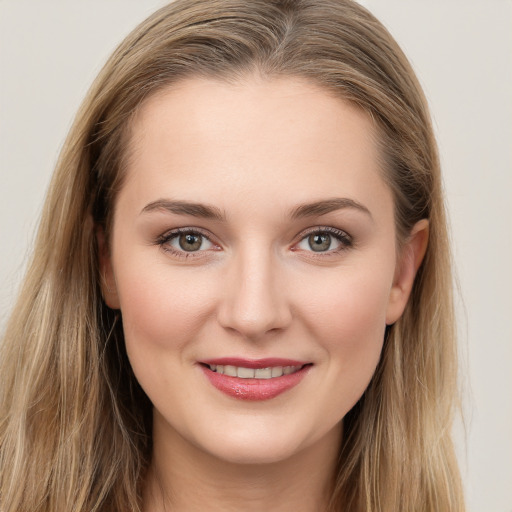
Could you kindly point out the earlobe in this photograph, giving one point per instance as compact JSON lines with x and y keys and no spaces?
{"x":107,"y":278}
{"x":412,"y":255}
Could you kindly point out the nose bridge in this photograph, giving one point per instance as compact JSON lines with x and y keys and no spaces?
{"x":254,"y":302}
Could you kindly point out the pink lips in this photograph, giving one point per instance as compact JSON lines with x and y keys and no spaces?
{"x":253,"y":388}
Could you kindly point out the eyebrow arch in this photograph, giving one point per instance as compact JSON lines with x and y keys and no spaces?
{"x":327,"y":206}
{"x":185,"y":208}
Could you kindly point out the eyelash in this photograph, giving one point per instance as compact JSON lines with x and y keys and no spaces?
{"x":164,"y":240}
{"x":342,"y":237}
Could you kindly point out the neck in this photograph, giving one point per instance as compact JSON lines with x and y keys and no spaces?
{"x":183,"y":478}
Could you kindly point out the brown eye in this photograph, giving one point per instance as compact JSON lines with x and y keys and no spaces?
{"x":319,"y":242}
{"x":190,"y":241}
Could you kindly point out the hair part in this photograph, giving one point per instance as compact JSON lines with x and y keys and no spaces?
{"x":75,"y":426}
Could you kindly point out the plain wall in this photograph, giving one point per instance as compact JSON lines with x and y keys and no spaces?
{"x":462,"y":51}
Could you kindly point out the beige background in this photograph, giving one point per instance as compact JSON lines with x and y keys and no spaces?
{"x":462,"y":51}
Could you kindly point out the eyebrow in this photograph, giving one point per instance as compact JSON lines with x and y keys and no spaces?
{"x":211,"y":212}
{"x":185,"y":208}
{"x":327,"y":206}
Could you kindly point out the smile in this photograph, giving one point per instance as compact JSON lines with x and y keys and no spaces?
{"x":254,"y":380}
{"x":253,"y":373}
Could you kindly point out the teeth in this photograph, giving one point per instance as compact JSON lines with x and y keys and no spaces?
{"x":245,"y":373}
{"x":263,"y":373}
{"x":277,"y":371}
{"x":230,"y":370}
{"x":251,"y":373}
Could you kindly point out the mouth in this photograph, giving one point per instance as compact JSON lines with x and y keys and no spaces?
{"x":243,"y":372}
{"x":261,"y":379}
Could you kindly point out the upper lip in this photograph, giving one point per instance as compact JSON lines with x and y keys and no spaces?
{"x":267,"y":362}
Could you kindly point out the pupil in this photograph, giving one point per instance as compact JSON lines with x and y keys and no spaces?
{"x":190,"y":242}
{"x":320,"y":242}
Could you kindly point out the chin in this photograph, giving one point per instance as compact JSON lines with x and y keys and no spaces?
{"x":254,"y":453}
{"x":268,"y":444}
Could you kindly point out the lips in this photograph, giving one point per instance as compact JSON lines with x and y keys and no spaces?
{"x":261,"y":379}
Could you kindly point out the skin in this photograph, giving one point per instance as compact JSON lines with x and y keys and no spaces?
{"x":253,"y":151}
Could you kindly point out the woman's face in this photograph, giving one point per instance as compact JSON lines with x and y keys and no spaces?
{"x":253,"y":259}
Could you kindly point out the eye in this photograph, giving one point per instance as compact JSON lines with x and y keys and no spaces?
{"x":325,"y":240}
{"x":190,"y":242}
{"x":185,"y":241}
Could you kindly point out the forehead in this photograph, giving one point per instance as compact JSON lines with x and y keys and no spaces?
{"x":209,"y":108}
{"x":287,"y":134}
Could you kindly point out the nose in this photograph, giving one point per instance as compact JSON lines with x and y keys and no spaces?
{"x":254,"y":299}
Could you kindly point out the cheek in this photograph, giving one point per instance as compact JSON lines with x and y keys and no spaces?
{"x":348,"y":305}
{"x":359,"y":326}
{"x":347,"y":317}
{"x":162,"y":312}
{"x":161,"y":308}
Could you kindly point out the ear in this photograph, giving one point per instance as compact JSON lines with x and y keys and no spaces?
{"x":408,"y":264}
{"x":107,"y":277}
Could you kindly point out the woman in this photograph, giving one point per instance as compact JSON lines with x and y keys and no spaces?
{"x":236,"y":292}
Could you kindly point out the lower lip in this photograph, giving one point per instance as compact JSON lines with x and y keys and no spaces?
{"x":254,"y":389}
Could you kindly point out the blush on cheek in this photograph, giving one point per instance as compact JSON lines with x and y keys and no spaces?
{"x":161,"y":312}
{"x":356,"y":350}
{"x":352,"y":306}
{"x":349,"y":319}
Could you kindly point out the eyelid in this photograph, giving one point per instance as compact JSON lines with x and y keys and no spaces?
{"x":166,"y":237}
{"x":344,"y":238}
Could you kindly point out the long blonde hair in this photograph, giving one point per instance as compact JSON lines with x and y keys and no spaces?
{"x":75,"y":427}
